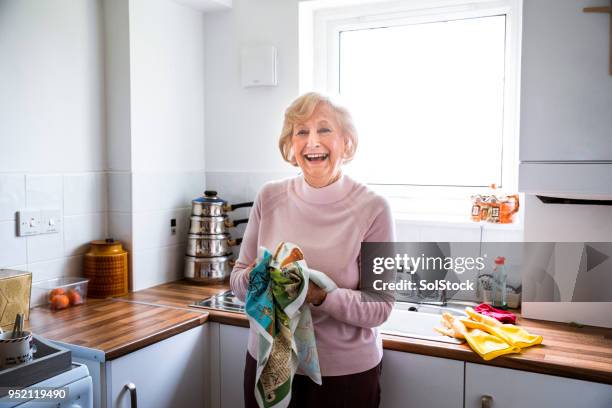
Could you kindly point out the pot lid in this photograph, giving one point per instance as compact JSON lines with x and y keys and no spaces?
{"x":210,"y":196}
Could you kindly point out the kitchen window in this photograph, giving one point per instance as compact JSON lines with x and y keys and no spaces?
{"x":433,"y":87}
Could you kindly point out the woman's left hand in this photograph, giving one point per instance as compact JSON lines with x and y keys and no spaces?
{"x":315,"y":294}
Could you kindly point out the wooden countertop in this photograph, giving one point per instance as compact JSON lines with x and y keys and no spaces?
{"x":181,"y":294}
{"x":583,"y":353}
{"x":112,"y":326}
{"x":118,"y":326}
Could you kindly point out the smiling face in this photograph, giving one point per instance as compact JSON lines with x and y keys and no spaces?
{"x":319,"y":146}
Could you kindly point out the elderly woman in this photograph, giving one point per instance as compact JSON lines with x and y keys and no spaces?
{"x":328,"y":215}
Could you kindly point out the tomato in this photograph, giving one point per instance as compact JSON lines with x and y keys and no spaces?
{"x":59,"y":302}
{"x":74,"y":297}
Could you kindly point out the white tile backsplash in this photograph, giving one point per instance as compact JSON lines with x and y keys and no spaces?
{"x":44,"y":247}
{"x":465,"y":233}
{"x":152,"y":228}
{"x":44,"y":191}
{"x":66,"y":266}
{"x":85,"y":193}
{"x":120,"y":192}
{"x":155,"y":266}
{"x":12,"y":248}
{"x":120,"y":228}
{"x":241,"y":186}
{"x":80,"y":230}
{"x":162,"y":191}
{"x":407,"y":232}
{"x":12,"y":195}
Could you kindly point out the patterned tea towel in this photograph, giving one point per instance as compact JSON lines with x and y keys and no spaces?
{"x":275,"y":307}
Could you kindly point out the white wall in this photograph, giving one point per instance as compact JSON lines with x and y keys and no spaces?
{"x":71,"y":72}
{"x":155,"y":99}
{"x":243,"y":124}
{"x":52,"y":131}
{"x":51,"y":76}
{"x":167,"y":86}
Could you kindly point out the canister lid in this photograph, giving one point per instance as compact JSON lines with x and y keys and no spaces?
{"x":108,"y":245}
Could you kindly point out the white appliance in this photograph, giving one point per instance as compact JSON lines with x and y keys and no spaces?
{"x":80,"y":391}
{"x":259,"y":66}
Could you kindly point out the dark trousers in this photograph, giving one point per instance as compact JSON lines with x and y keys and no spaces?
{"x":360,"y":390}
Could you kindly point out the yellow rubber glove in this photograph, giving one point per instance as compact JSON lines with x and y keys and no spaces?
{"x":486,"y":345}
{"x":511,"y":334}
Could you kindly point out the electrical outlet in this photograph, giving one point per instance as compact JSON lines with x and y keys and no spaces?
{"x":28,"y":222}
{"x":173,"y":226}
{"x":51,"y":221}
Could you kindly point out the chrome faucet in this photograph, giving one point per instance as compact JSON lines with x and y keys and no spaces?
{"x":438,"y":298}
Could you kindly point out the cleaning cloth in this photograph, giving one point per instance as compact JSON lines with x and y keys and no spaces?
{"x":488,"y":337}
{"x":501,"y":315}
{"x":275,"y":308}
{"x":511,"y":334}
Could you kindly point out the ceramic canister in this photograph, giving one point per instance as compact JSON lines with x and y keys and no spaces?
{"x":18,"y":350}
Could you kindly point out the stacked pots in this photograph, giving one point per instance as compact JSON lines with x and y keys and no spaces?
{"x":209,"y":257}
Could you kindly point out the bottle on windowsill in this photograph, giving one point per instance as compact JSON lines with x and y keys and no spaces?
{"x":499,"y":283}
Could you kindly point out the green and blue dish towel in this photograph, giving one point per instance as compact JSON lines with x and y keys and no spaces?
{"x":275,"y":306}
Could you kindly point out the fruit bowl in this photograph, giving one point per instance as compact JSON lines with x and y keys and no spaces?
{"x":61,"y":293}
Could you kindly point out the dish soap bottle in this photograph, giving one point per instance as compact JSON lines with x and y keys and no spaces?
{"x":499,"y":283}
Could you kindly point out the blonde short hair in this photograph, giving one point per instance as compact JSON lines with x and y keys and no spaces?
{"x":301,"y":109}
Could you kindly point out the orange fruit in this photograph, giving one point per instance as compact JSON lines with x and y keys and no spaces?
{"x":56,"y":291}
{"x":59,"y":302}
{"x":74,"y":297}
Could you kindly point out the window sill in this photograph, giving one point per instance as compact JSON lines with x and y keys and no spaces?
{"x":454,"y":221}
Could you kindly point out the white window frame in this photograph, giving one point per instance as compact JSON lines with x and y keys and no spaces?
{"x":320,"y":24}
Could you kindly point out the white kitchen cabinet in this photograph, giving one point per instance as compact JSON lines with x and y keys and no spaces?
{"x":519,"y":389}
{"x":170,"y":373}
{"x":566,"y":100}
{"x":413,"y":380}
{"x":232,"y":353}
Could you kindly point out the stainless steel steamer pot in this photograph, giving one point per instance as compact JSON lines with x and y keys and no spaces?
{"x":212,"y":206}
{"x":211,"y":245}
{"x":213,"y":225}
{"x":208,"y":270}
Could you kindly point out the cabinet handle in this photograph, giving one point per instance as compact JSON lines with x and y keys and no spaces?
{"x":133,"y":398}
{"x":486,"y":401}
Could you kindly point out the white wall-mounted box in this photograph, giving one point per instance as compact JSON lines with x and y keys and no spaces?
{"x":259,"y":66}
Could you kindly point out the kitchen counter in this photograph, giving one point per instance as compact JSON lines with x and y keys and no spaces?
{"x":118,"y":326}
{"x":114,"y":327}
{"x":182,"y":293}
{"x":583,"y":353}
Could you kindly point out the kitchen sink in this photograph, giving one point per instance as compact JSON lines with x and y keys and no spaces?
{"x":418,"y":321}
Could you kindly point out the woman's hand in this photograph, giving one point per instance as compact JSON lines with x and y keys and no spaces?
{"x":315,"y":294}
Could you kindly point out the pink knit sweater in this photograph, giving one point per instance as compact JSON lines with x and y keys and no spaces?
{"x":328,"y":224}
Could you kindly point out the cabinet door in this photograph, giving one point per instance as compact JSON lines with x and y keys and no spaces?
{"x":519,"y":389}
{"x":233,"y":348}
{"x":167,"y":374}
{"x":566,"y":93}
{"x":412,"y":380}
